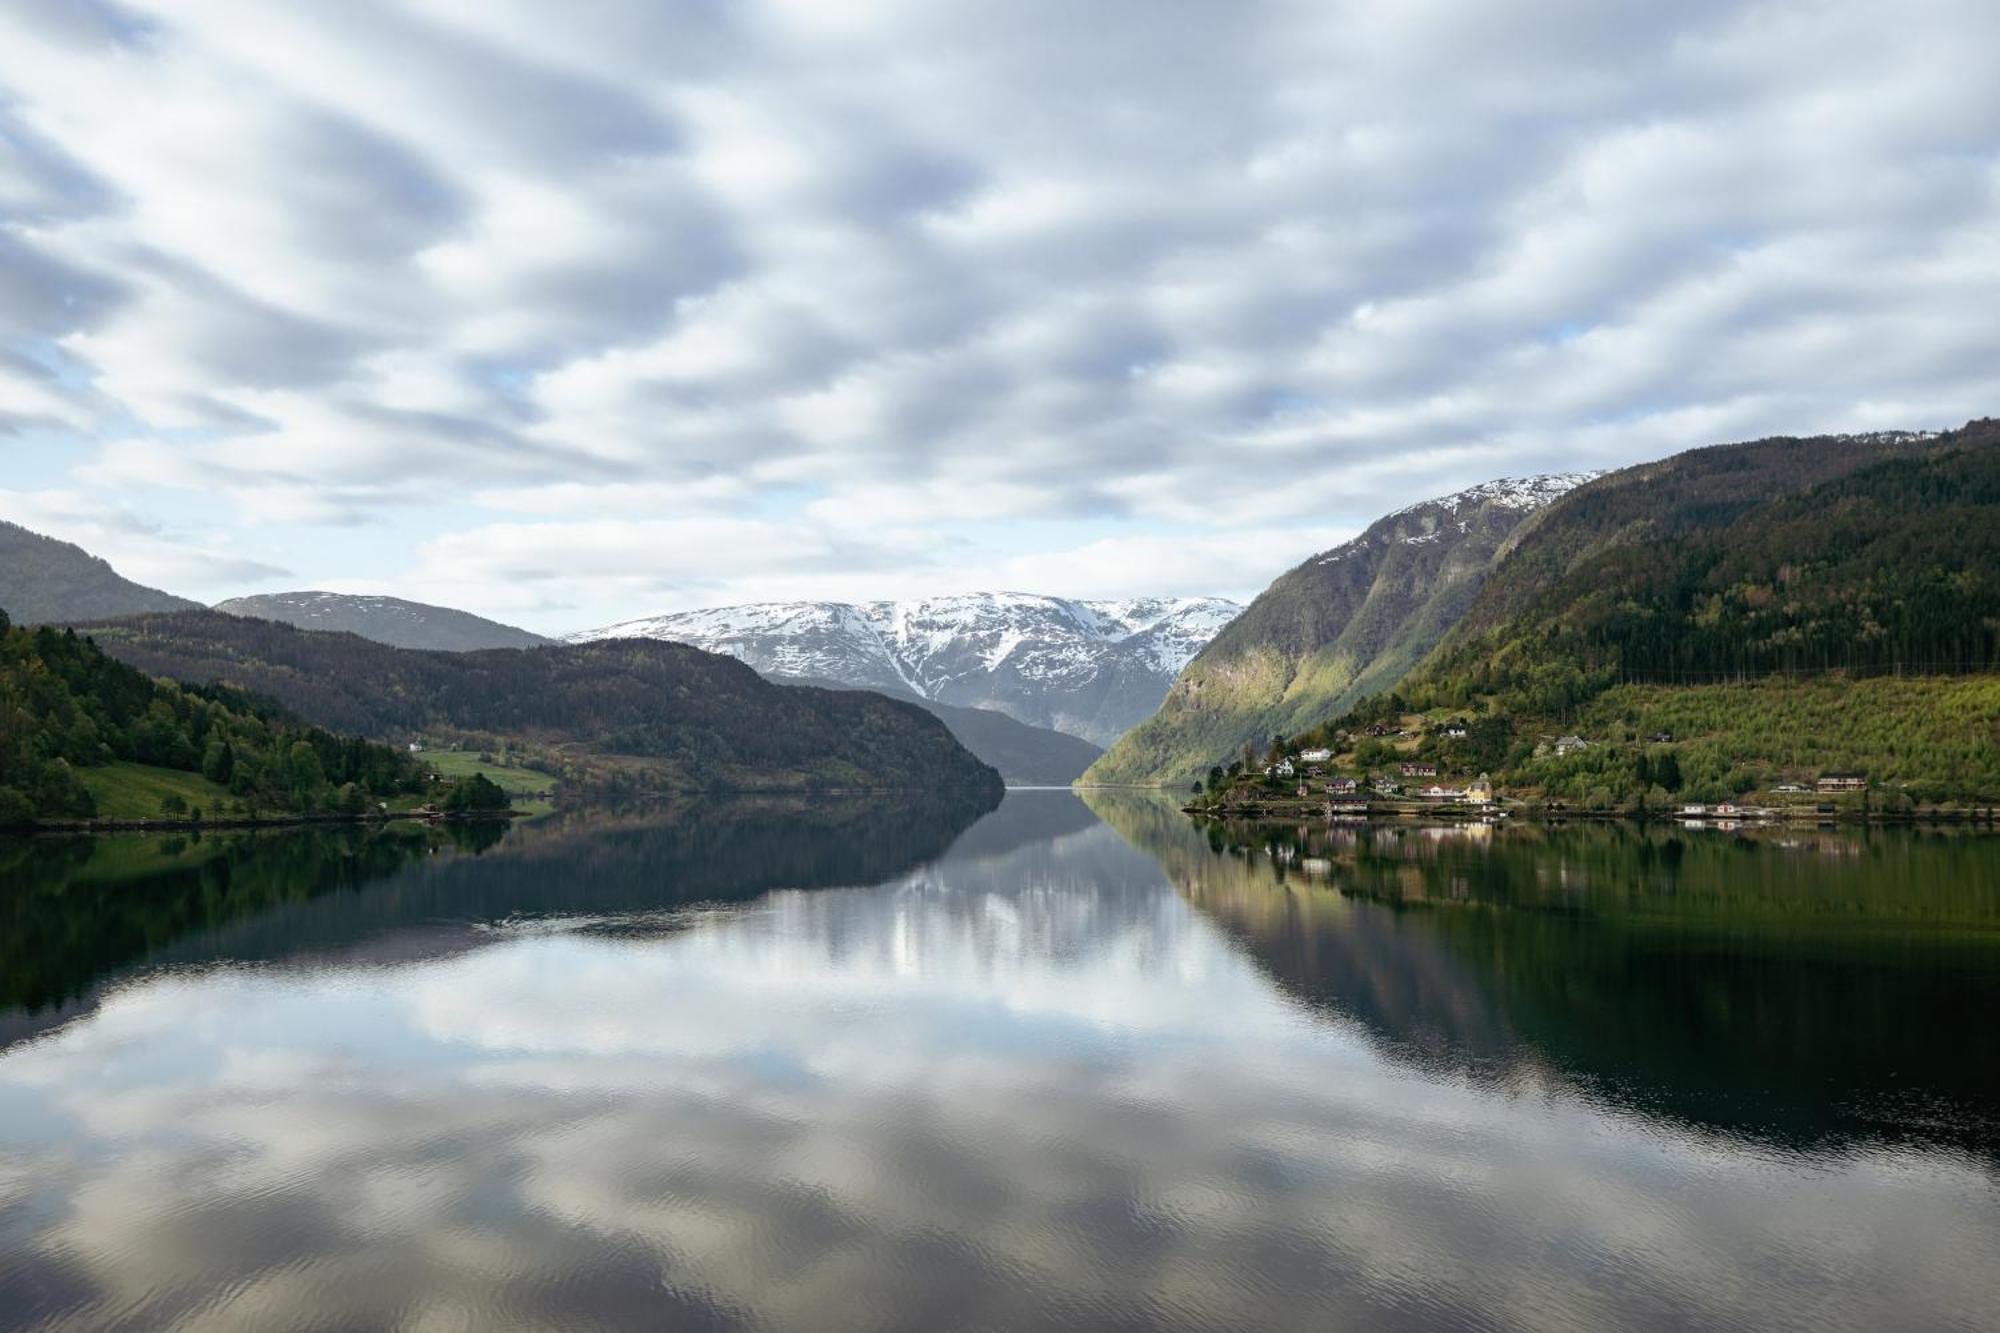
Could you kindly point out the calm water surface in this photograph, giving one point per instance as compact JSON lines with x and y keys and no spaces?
{"x":845,"y":1066}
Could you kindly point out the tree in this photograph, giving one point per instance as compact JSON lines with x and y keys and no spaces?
{"x":304,"y":773}
{"x":475,"y":794}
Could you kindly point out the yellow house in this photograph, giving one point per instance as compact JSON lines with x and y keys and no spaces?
{"x":1480,"y":792}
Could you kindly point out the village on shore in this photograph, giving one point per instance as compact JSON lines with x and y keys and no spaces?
{"x":1406,"y":769}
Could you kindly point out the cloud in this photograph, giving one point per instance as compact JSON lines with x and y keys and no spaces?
{"x":1219,"y":268}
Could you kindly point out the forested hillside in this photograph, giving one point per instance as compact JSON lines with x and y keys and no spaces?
{"x":708,"y":722}
{"x":1891,"y":564}
{"x":69,"y":713}
{"x":44,"y":581}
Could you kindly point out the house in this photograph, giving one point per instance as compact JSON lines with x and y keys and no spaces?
{"x":1382,"y":729}
{"x":1843,"y":782}
{"x":1436,"y":793}
{"x":1790,"y":789}
{"x":1387,"y":786}
{"x":1694,"y":810}
{"x":1728,"y":810}
{"x":1303,"y":793}
{"x":1315,"y":756}
{"x":1481,"y":791}
{"x":1343,"y":786}
{"x":1346,"y":807}
{"x":1571,"y":744}
{"x":1282,"y":769}
{"x":1454,"y":730}
{"x":416,"y":747}
{"x":1420,"y":770}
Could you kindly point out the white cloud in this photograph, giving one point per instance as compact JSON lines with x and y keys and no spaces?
{"x":1277,"y":266}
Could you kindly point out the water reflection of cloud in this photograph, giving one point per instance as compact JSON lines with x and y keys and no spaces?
{"x":1066,"y":1102}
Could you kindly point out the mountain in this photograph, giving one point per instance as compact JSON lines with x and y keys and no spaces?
{"x":389,"y":620}
{"x":1649,"y":512}
{"x":1025,"y":756}
{"x":1779,"y":609}
{"x":1091,"y":669}
{"x":47,"y":582}
{"x":1345,"y":623}
{"x":704,"y":721}
{"x":80,"y":732}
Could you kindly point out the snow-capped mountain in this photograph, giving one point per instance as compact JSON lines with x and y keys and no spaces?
{"x":1090,"y":668}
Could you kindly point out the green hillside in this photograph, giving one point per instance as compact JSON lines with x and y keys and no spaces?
{"x":84,"y":736}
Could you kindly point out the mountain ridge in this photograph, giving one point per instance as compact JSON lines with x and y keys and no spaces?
{"x":1085,"y":667}
{"x":705,"y":721}
{"x":46,"y":581}
{"x":395,"y":621}
{"x":1328,"y":632}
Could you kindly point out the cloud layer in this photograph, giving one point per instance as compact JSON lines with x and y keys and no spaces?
{"x":910,"y":297}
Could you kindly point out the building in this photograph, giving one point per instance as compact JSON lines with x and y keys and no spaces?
{"x":1343,"y":786}
{"x":1315,"y":756}
{"x":1790,"y":789}
{"x":1420,"y":770}
{"x":1346,"y":807}
{"x":1436,"y":793}
{"x":1571,"y":744}
{"x":1282,"y":769}
{"x":1387,"y":786}
{"x":1843,"y":782}
{"x":1694,"y":810}
{"x":1454,"y":730}
{"x":1481,"y":791}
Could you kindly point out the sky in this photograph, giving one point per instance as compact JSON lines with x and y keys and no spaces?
{"x":571,"y":313}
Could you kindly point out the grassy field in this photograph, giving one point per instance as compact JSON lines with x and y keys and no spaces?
{"x":464,"y":763}
{"x":136,"y":791}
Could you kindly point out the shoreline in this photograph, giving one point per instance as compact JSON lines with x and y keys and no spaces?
{"x":246,"y":822}
{"x":1976,"y":815}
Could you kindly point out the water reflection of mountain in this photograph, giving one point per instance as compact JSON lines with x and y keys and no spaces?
{"x":1796,"y":989}
{"x":73,"y":911}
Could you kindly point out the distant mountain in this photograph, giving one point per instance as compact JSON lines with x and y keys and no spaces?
{"x":1026,"y":756}
{"x":1089,"y":668}
{"x":707,"y":722}
{"x":1342,"y":625}
{"x":48,"y":582}
{"x":389,"y":620}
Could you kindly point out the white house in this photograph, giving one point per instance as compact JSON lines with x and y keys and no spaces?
{"x":1315,"y":756}
{"x":1571,"y":744}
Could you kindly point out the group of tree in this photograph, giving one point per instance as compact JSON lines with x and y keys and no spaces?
{"x":67,"y":707}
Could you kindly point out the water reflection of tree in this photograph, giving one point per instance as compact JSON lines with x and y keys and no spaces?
{"x":1794,"y":988}
{"x":73,"y":910}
